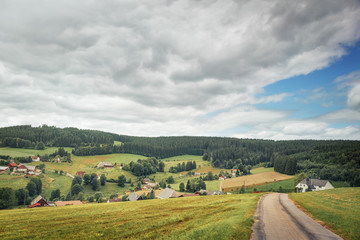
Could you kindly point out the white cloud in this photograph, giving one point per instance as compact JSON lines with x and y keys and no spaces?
{"x":156,"y":68}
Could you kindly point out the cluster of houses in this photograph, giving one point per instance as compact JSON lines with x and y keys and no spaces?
{"x":22,"y":168}
{"x":166,"y":193}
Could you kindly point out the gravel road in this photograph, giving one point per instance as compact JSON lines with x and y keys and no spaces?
{"x":278,"y":218}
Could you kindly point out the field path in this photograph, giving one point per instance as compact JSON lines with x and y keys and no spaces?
{"x":278,"y":218}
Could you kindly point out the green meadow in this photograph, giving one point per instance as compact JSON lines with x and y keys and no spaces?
{"x":338,"y":209}
{"x":210,"y":217}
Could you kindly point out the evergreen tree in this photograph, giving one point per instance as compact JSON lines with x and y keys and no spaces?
{"x":87,"y":179}
{"x":31,"y":187}
{"x":121,"y":181}
{"x":102,"y":180}
{"x":182,"y":187}
{"x":7,"y":198}
{"x":94,"y":184}
{"x":188,"y":187}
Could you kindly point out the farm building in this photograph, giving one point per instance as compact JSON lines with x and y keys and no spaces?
{"x":168,"y":193}
{"x":221,"y":177}
{"x":314,"y":185}
{"x":39,"y":199}
{"x":22,"y":168}
{"x":105,"y":165}
{"x":12,"y":165}
{"x":31,"y":168}
{"x":197,"y":174}
{"x":146,"y":180}
{"x":114,"y":200}
{"x":35,"y":158}
{"x":4,"y":170}
{"x":80,"y":173}
{"x":67,"y":203}
{"x":134,"y":197}
{"x":233,"y":172}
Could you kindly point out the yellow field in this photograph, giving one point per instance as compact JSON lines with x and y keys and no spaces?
{"x":234,"y":184}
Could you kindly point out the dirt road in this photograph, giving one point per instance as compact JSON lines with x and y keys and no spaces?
{"x":278,"y":218}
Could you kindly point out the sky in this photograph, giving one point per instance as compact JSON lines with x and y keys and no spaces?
{"x":260,"y":69}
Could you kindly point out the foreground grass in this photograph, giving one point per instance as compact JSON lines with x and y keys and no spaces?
{"x":210,"y":217}
{"x":337,"y":208}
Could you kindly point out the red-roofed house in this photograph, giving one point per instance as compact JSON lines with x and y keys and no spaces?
{"x":22,"y":168}
{"x":80,"y":173}
{"x":35,"y":158}
{"x":12,"y":165}
{"x":4,"y":169}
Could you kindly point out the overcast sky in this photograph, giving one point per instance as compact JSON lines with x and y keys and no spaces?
{"x":248,"y":69}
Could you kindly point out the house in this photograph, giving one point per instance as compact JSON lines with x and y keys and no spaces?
{"x":105,"y":165}
{"x":153,"y":185}
{"x":146,"y":187}
{"x":233,"y":172}
{"x":189,"y":195}
{"x":221,"y":177}
{"x":30,"y":173}
{"x":31,"y":168}
{"x":80,"y":173}
{"x":22,"y":168}
{"x":314,"y":185}
{"x":205,"y":192}
{"x":67,"y":203}
{"x":168,"y":193}
{"x":218,"y":193}
{"x":12,"y":165}
{"x":35,"y":158}
{"x":146,"y":180}
{"x":4,"y":169}
{"x":40,"y":200}
{"x":134,"y":197}
{"x":197,"y":174}
{"x":114,"y":200}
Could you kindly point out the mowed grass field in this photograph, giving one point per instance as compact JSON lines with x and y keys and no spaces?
{"x":234,"y":184}
{"x":208,"y":217}
{"x":338,"y":208}
{"x":22,"y":152}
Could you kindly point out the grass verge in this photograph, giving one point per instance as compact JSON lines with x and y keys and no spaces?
{"x":339,"y":209}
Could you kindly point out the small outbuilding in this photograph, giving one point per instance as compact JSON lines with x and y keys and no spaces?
{"x":40,"y":200}
{"x":105,"y":165}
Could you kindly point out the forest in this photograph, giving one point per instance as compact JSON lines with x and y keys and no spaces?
{"x":337,"y":160}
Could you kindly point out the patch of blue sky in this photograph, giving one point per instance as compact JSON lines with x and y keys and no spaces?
{"x":343,"y":125}
{"x":316,"y":93}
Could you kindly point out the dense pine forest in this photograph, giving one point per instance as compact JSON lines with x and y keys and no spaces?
{"x":337,"y":160}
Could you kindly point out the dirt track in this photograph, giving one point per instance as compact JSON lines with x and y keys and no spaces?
{"x":278,"y":218}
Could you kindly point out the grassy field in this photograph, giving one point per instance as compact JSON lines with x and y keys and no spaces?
{"x":234,"y":184}
{"x":261,"y":170}
{"x":210,"y":217}
{"x":15,"y":182}
{"x":339,"y":209}
{"x":22,"y":152}
{"x":286,"y":185}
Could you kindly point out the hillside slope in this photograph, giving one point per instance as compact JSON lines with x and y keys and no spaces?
{"x":210,"y":217}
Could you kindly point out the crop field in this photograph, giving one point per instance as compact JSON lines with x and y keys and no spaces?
{"x":22,"y":152}
{"x":234,"y":184}
{"x":339,"y":209}
{"x":210,"y":217}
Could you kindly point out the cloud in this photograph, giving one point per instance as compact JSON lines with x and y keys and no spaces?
{"x":158,"y":67}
